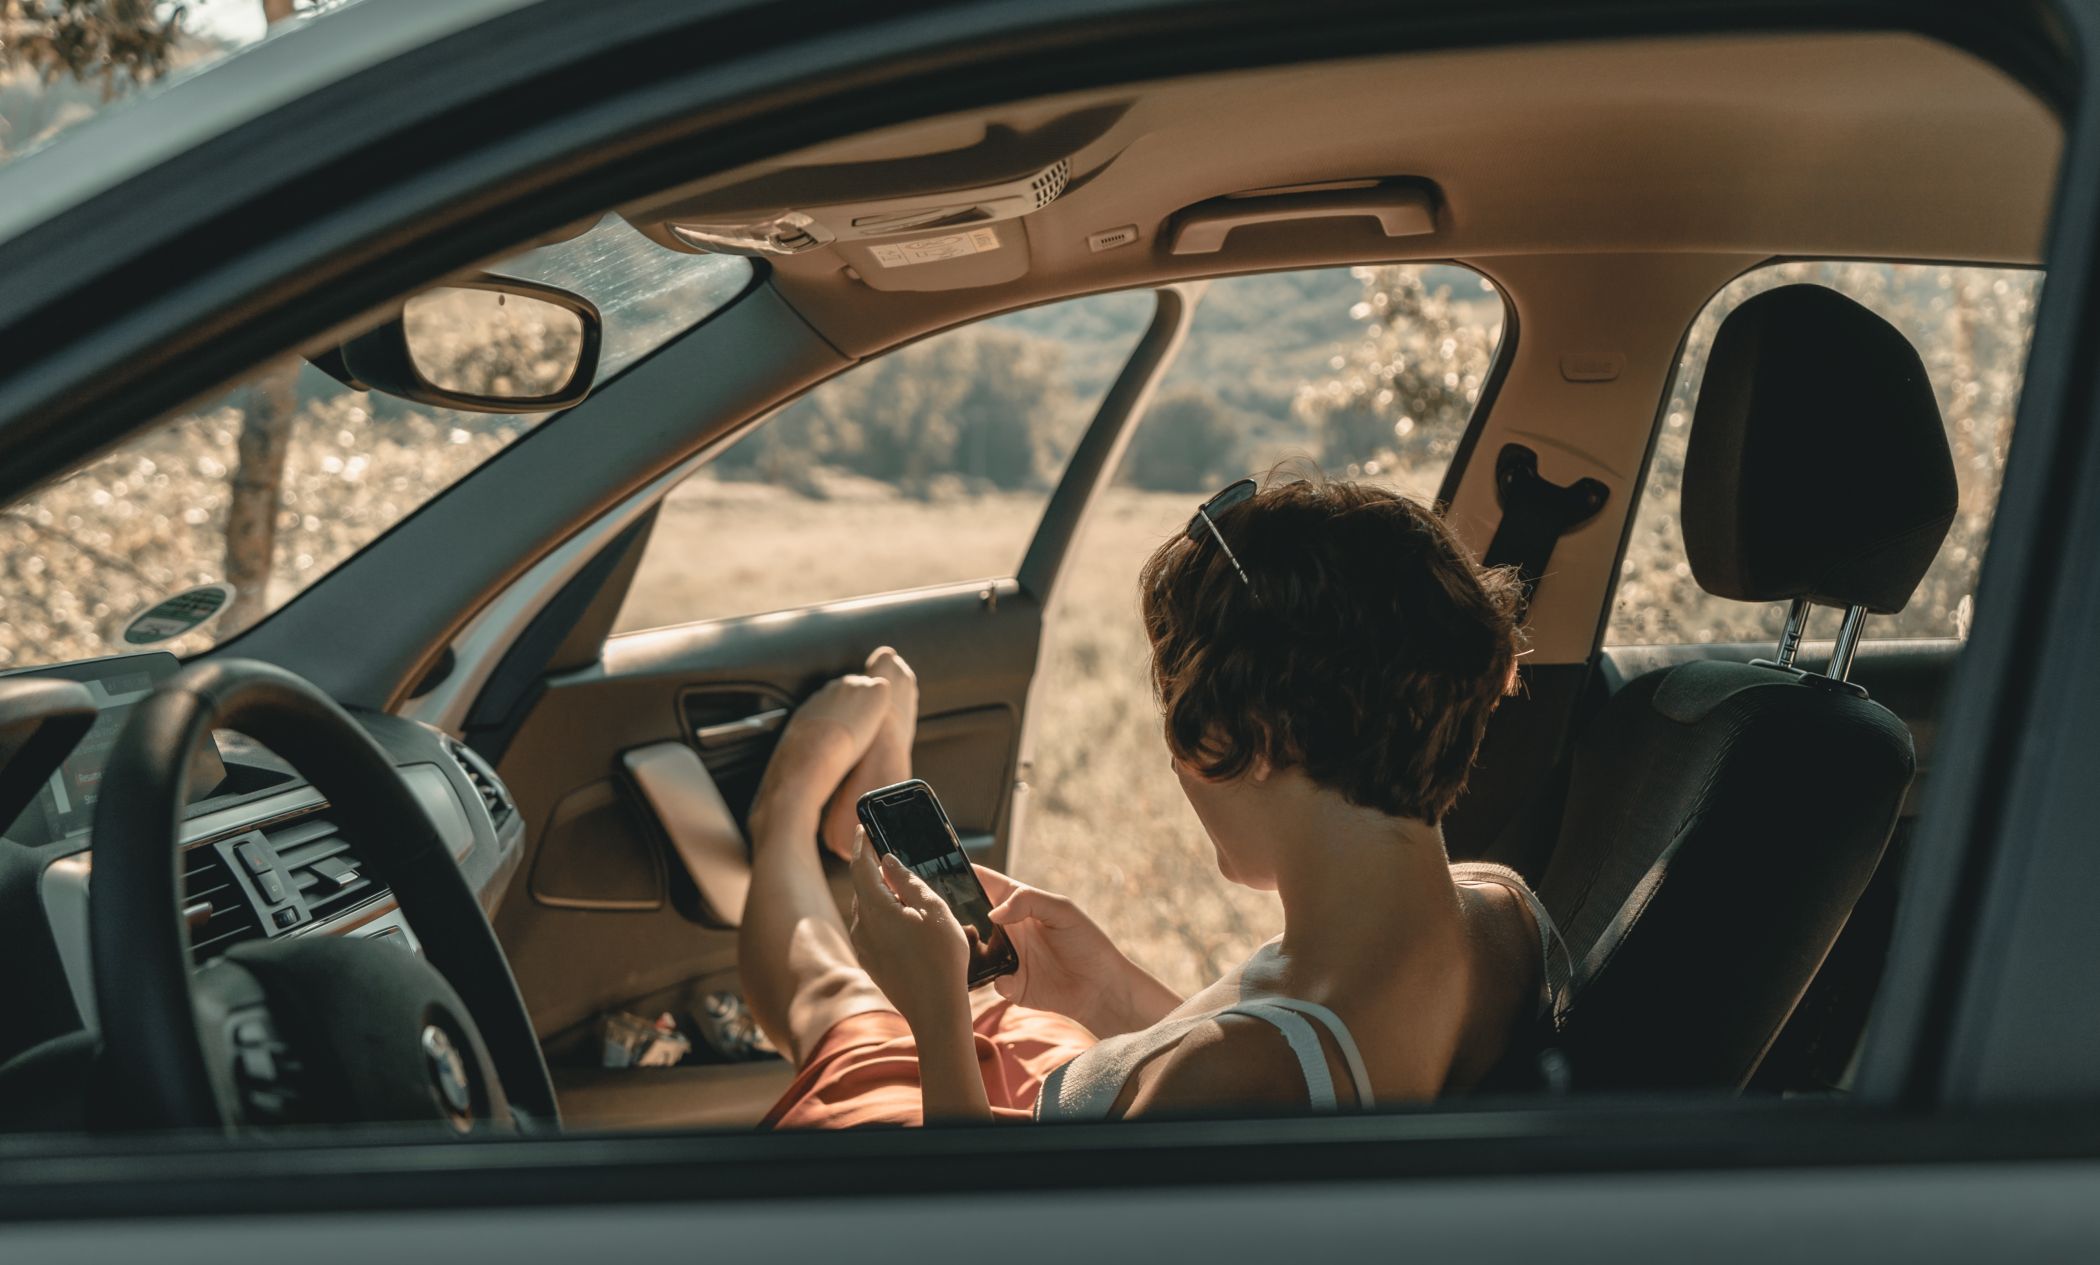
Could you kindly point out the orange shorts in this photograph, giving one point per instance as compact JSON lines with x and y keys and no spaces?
{"x":866,"y":1069}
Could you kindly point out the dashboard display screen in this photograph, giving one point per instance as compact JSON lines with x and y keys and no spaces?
{"x":117,"y":685}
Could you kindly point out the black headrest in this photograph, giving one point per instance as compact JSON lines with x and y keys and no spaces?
{"x":1818,"y":465}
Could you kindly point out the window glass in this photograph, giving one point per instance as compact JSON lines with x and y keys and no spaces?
{"x":275,"y":482}
{"x":929,"y":465}
{"x":61,"y":64}
{"x":1368,"y":373}
{"x":1970,"y":325}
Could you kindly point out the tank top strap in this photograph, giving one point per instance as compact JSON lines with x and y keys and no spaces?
{"x":1556,"y":963}
{"x":1305,"y":1043}
{"x":1352,"y":1057}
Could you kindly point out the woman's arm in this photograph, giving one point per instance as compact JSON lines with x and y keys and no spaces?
{"x":950,"y":1086}
{"x":911,"y":945}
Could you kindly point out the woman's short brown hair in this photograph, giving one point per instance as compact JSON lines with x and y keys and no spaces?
{"x":1368,"y":651}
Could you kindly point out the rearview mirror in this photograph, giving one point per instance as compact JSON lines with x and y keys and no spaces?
{"x":483,"y":344}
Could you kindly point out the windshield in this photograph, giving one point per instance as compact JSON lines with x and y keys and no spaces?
{"x":270,"y":485}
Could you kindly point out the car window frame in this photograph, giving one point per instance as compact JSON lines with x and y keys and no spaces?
{"x":1998,"y":686}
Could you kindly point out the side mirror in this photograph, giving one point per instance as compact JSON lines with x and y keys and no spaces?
{"x":483,"y":344}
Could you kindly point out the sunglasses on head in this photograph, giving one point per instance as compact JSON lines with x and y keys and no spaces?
{"x":1206,"y":518}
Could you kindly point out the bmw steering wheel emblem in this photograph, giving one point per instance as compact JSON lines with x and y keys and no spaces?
{"x":448,"y":1074}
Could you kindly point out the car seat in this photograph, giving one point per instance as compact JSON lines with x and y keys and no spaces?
{"x":1723,"y":817}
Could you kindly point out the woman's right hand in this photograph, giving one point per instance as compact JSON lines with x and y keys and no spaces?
{"x":1068,"y":964}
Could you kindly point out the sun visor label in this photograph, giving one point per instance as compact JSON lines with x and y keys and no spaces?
{"x":932,"y":250}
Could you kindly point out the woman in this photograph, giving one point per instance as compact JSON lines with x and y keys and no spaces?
{"x":1326,"y":656}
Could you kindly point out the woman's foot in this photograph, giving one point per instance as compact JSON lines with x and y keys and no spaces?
{"x":827,"y":738}
{"x":888,"y":756}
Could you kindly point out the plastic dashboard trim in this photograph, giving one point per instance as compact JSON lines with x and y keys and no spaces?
{"x":63,"y":885}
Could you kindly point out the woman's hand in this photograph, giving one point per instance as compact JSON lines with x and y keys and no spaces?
{"x":1068,"y":964}
{"x":910,"y":942}
{"x":913,"y":947}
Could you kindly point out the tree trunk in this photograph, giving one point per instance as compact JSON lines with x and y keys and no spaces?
{"x":258,"y":474}
{"x":258,"y":487}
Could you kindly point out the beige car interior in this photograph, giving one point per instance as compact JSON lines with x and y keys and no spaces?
{"x":1608,"y":190}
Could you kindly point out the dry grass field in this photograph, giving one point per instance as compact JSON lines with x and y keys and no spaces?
{"x":1108,"y":824}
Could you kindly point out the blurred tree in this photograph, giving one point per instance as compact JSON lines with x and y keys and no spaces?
{"x":116,"y":43}
{"x":988,"y":406}
{"x":1186,"y":442}
{"x":258,"y":477}
{"x":1398,"y":398}
{"x":121,"y":44}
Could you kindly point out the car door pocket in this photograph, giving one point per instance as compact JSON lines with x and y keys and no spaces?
{"x":595,"y":854}
{"x":680,"y":795}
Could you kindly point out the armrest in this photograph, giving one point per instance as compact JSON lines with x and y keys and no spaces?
{"x":697,"y":822}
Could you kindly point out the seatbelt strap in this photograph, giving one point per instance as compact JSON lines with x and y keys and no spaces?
{"x":1536,"y":513}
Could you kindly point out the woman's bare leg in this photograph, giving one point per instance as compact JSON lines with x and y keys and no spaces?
{"x":888,"y":758}
{"x":800,"y":975}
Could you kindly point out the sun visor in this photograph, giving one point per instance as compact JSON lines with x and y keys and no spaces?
{"x":943,"y":220}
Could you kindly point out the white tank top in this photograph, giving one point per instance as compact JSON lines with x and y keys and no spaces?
{"x":1087,"y":1087}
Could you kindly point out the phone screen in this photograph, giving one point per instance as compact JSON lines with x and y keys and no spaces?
{"x":907,"y":822}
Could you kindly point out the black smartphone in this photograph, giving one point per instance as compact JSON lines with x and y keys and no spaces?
{"x":907,"y":822}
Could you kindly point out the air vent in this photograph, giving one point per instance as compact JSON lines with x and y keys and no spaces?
{"x":493,"y":796}
{"x":220,"y":914}
{"x":1045,"y":187}
{"x":330,"y":876}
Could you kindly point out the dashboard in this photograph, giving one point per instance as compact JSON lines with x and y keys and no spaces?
{"x":260,"y":854}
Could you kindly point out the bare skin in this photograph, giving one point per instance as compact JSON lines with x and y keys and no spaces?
{"x":800,"y":973}
{"x":1429,"y":975}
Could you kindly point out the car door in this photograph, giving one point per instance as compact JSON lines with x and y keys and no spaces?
{"x":921,"y":501}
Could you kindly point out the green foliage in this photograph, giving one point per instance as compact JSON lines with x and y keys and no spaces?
{"x":1400,"y":395}
{"x":1189,"y":442}
{"x":986,"y":407}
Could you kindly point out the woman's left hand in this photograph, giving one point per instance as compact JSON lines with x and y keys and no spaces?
{"x":910,"y":943}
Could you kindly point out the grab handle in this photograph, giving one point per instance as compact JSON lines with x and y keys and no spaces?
{"x":1402,"y":211}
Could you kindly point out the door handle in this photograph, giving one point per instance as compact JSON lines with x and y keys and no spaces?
{"x":743,"y":729}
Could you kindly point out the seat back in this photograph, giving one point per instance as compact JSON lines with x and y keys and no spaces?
{"x":1723,"y":818}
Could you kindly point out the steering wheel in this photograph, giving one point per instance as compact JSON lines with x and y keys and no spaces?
{"x":316,"y":1029}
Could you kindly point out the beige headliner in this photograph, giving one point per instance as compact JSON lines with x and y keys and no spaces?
{"x":1883,"y":145}
{"x":1608,"y":189}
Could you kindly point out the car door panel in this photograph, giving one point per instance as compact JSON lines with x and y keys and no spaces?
{"x":618,"y":925}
